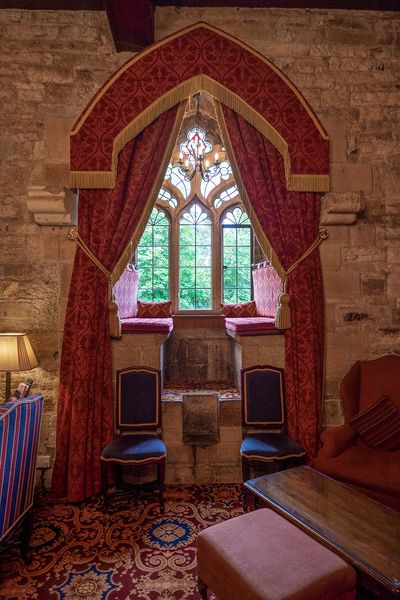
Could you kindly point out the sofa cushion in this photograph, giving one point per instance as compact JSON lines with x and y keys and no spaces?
{"x":139,"y":325}
{"x":378,"y":377}
{"x":126,"y":291}
{"x":363,"y":466}
{"x":378,"y":425}
{"x":251,"y":326}
{"x":244,"y":309}
{"x":154,"y":310}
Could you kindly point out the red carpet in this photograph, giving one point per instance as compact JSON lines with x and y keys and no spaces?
{"x":130,"y":552}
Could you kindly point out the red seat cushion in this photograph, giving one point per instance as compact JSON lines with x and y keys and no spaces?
{"x":378,"y":425}
{"x":364,"y":466}
{"x":251,"y":325}
{"x":139,"y":325}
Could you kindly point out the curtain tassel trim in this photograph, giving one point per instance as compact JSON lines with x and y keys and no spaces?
{"x":282,"y":319}
{"x":113,"y":318}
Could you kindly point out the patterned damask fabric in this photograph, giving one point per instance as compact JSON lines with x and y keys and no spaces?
{"x":245,"y":309}
{"x":290,"y":221}
{"x":140,"y":325}
{"x":251,"y":326}
{"x":107,"y":219}
{"x":126,"y":292}
{"x":201,"y":51}
{"x":154,"y":310}
{"x":267,"y":287}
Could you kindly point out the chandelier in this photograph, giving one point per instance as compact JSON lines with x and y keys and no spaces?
{"x":196,"y":148}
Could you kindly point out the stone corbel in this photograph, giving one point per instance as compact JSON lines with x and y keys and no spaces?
{"x":341,"y":208}
{"x":53,"y":208}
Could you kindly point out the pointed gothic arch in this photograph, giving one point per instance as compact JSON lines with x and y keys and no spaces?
{"x":199,"y":57}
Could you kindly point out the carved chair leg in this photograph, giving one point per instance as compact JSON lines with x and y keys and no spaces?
{"x":246,"y":477}
{"x":201,"y":586}
{"x":161,"y":478}
{"x":27,"y":527}
{"x":104,"y":480}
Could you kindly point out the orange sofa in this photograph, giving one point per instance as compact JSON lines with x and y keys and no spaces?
{"x":343,"y":455}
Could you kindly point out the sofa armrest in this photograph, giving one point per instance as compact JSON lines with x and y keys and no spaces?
{"x":336,"y":440}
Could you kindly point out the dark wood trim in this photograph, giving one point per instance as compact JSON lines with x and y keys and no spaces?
{"x":388,"y":5}
{"x":131,"y":23}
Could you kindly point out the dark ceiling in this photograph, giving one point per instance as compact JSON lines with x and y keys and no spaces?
{"x":131,"y":21}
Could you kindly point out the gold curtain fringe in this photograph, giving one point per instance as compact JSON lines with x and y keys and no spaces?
{"x":308,"y":183}
{"x":282,"y":319}
{"x":113,"y":318}
{"x":96,"y":179}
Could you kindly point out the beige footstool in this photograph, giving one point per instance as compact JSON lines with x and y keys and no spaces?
{"x":262,"y":556}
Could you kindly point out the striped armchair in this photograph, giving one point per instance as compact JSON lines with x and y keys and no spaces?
{"x":20,"y":422}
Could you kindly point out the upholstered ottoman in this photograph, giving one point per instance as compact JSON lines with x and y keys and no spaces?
{"x":262,"y":556}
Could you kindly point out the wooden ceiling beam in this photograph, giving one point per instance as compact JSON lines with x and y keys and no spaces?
{"x":131,"y":23}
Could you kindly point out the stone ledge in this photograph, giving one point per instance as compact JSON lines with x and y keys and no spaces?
{"x":52,"y":208}
{"x":341,"y":208}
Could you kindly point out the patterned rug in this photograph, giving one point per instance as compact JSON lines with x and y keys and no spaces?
{"x":82,"y":553}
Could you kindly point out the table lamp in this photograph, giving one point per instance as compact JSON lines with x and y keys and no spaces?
{"x":16,"y":354}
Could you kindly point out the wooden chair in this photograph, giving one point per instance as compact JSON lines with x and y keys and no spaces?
{"x":138,"y":420}
{"x":263,"y":421}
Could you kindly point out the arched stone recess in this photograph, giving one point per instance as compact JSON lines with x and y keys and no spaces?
{"x":199,"y":57}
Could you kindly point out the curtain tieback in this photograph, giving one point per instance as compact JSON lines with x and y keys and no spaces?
{"x":114,"y":322}
{"x":282,"y":319}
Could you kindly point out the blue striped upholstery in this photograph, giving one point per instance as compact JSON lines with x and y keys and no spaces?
{"x":19,"y":438}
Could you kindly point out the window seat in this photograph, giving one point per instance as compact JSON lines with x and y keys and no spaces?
{"x":251,"y":326}
{"x":142,"y":325}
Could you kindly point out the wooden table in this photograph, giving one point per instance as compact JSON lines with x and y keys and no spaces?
{"x":363,"y":532}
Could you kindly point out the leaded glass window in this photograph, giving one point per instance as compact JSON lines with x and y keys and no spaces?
{"x":236,"y":256}
{"x":172,"y":174}
{"x":152,"y":257}
{"x":165,"y":195}
{"x":195,"y":255}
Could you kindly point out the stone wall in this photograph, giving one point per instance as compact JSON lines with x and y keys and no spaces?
{"x":346,"y":63}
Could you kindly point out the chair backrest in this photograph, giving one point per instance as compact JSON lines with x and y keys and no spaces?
{"x":126,"y":293}
{"x":267,"y":286}
{"x":368,"y":380}
{"x":20,"y":422}
{"x":138,"y":398}
{"x":263,"y":397}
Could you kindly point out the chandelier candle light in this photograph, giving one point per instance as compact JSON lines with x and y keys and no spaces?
{"x":196,"y":147}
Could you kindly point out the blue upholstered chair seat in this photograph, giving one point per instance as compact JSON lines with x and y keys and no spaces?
{"x":270,"y":446}
{"x":134,"y":448}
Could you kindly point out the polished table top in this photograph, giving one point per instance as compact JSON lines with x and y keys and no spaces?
{"x":361,"y":530}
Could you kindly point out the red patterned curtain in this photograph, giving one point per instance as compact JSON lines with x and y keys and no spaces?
{"x":290,"y":220}
{"x":107,"y":219}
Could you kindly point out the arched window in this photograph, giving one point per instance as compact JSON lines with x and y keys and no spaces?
{"x":152,"y":257}
{"x":237,"y":246}
{"x":195,"y":257}
{"x":211,"y":240}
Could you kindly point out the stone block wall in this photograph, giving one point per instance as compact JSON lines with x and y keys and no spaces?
{"x":346,"y":64}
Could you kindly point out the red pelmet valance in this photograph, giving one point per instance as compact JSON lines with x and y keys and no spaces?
{"x":199,"y":58}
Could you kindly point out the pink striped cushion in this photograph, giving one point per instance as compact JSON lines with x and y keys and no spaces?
{"x":378,"y":426}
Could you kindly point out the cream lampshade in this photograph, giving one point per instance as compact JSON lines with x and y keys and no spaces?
{"x":16,"y":354}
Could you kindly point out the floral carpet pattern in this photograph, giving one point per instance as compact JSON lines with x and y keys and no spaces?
{"x":131,"y":552}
